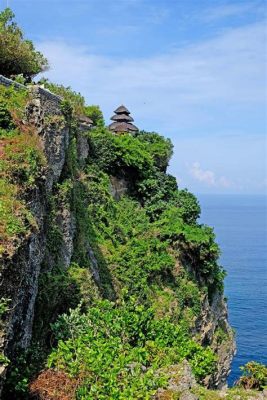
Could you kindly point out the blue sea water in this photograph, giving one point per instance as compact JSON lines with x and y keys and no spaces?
{"x":240,"y":224}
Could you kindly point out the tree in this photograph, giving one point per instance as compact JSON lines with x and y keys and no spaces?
{"x":95,"y":114}
{"x":18,"y":55}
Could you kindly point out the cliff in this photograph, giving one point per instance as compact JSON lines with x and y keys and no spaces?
{"x":96,"y":223}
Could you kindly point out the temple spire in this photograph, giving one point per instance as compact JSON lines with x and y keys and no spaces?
{"x":122,"y":121}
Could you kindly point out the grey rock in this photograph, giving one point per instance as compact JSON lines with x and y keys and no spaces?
{"x":118,"y":187}
{"x":188,"y":396}
{"x":82,"y":147}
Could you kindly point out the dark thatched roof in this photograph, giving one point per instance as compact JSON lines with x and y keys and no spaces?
{"x":122,"y":110}
{"x":122,"y":127}
{"x":83,"y":119}
{"x":122,"y":118}
{"x":123,"y":121}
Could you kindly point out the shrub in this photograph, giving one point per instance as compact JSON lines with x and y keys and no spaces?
{"x":155,"y":191}
{"x":6,"y":121}
{"x":115,"y":350}
{"x":254,"y":376}
{"x":23,"y":158}
{"x":161,"y":149}
{"x":188,"y":205}
{"x":197,"y":247}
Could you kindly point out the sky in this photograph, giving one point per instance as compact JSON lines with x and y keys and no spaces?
{"x":191,"y":70}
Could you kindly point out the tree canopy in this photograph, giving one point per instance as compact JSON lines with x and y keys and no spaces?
{"x":17,"y":54}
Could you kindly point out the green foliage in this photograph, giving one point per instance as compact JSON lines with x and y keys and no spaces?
{"x":20,"y":372}
{"x":4,"y":360}
{"x":117,"y":154}
{"x":139,"y":261}
{"x":254,"y":376}
{"x":188,"y":206}
{"x":220,"y":335}
{"x":144,"y":252}
{"x":6,"y":121}
{"x":116,"y":349}
{"x":4,"y":307}
{"x":17,"y":55}
{"x":155,"y":191}
{"x":102,"y":148}
{"x":161,"y":149}
{"x":54,"y":234}
{"x":23,"y":159}
{"x":197,"y":246}
{"x":95,"y":114}
{"x":56,"y":293}
{"x":21,"y":163}
{"x":16,"y":219}
{"x":189,"y":297}
{"x":72,"y":99}
{"x":131,"y":153}
{"x":13,"y":102}
{"x":138,"y":154}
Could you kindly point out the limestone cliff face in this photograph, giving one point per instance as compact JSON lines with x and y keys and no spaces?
{"x":19,"y":274}
{"x":213,"y":328}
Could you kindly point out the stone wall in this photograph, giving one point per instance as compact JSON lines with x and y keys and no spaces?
{"x":44,"y":93}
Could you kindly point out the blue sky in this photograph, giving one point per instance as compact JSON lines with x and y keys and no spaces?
{"x":192,"y":70}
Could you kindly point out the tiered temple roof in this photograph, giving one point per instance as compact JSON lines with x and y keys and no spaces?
{"x":122,"y":121}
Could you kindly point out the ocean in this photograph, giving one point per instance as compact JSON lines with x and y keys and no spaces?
{"x":240,"y":224}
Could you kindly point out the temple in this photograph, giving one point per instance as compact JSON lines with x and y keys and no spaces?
{"x":122,"y":121}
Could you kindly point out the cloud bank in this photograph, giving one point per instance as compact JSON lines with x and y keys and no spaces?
{"x":226,"y":69}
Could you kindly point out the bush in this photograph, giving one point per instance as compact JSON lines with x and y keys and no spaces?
{"x":6,"y":121}
{"x":197,"y":247}
{"x":155,"y":191}
{"x":189,"y":207}
{"x":161,"y":149}
{"x":254,"y":376}
{"x":114,"y":350}
{"x":17,"y":55}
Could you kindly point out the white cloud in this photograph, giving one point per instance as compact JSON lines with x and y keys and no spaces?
{"x":202,"y":175}
{"x":208,"y":177}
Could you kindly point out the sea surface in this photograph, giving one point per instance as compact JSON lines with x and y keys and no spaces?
{"x":240,"y":224}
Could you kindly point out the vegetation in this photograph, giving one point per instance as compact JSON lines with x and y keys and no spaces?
{"x":74,"y":102}
{"x":114,"y":350}
{"x":21,"y":161}
{"x":123,"y":314}
{"x":254,"y":376}
{"x":95,"y":114}
{"x":17,"y":55}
